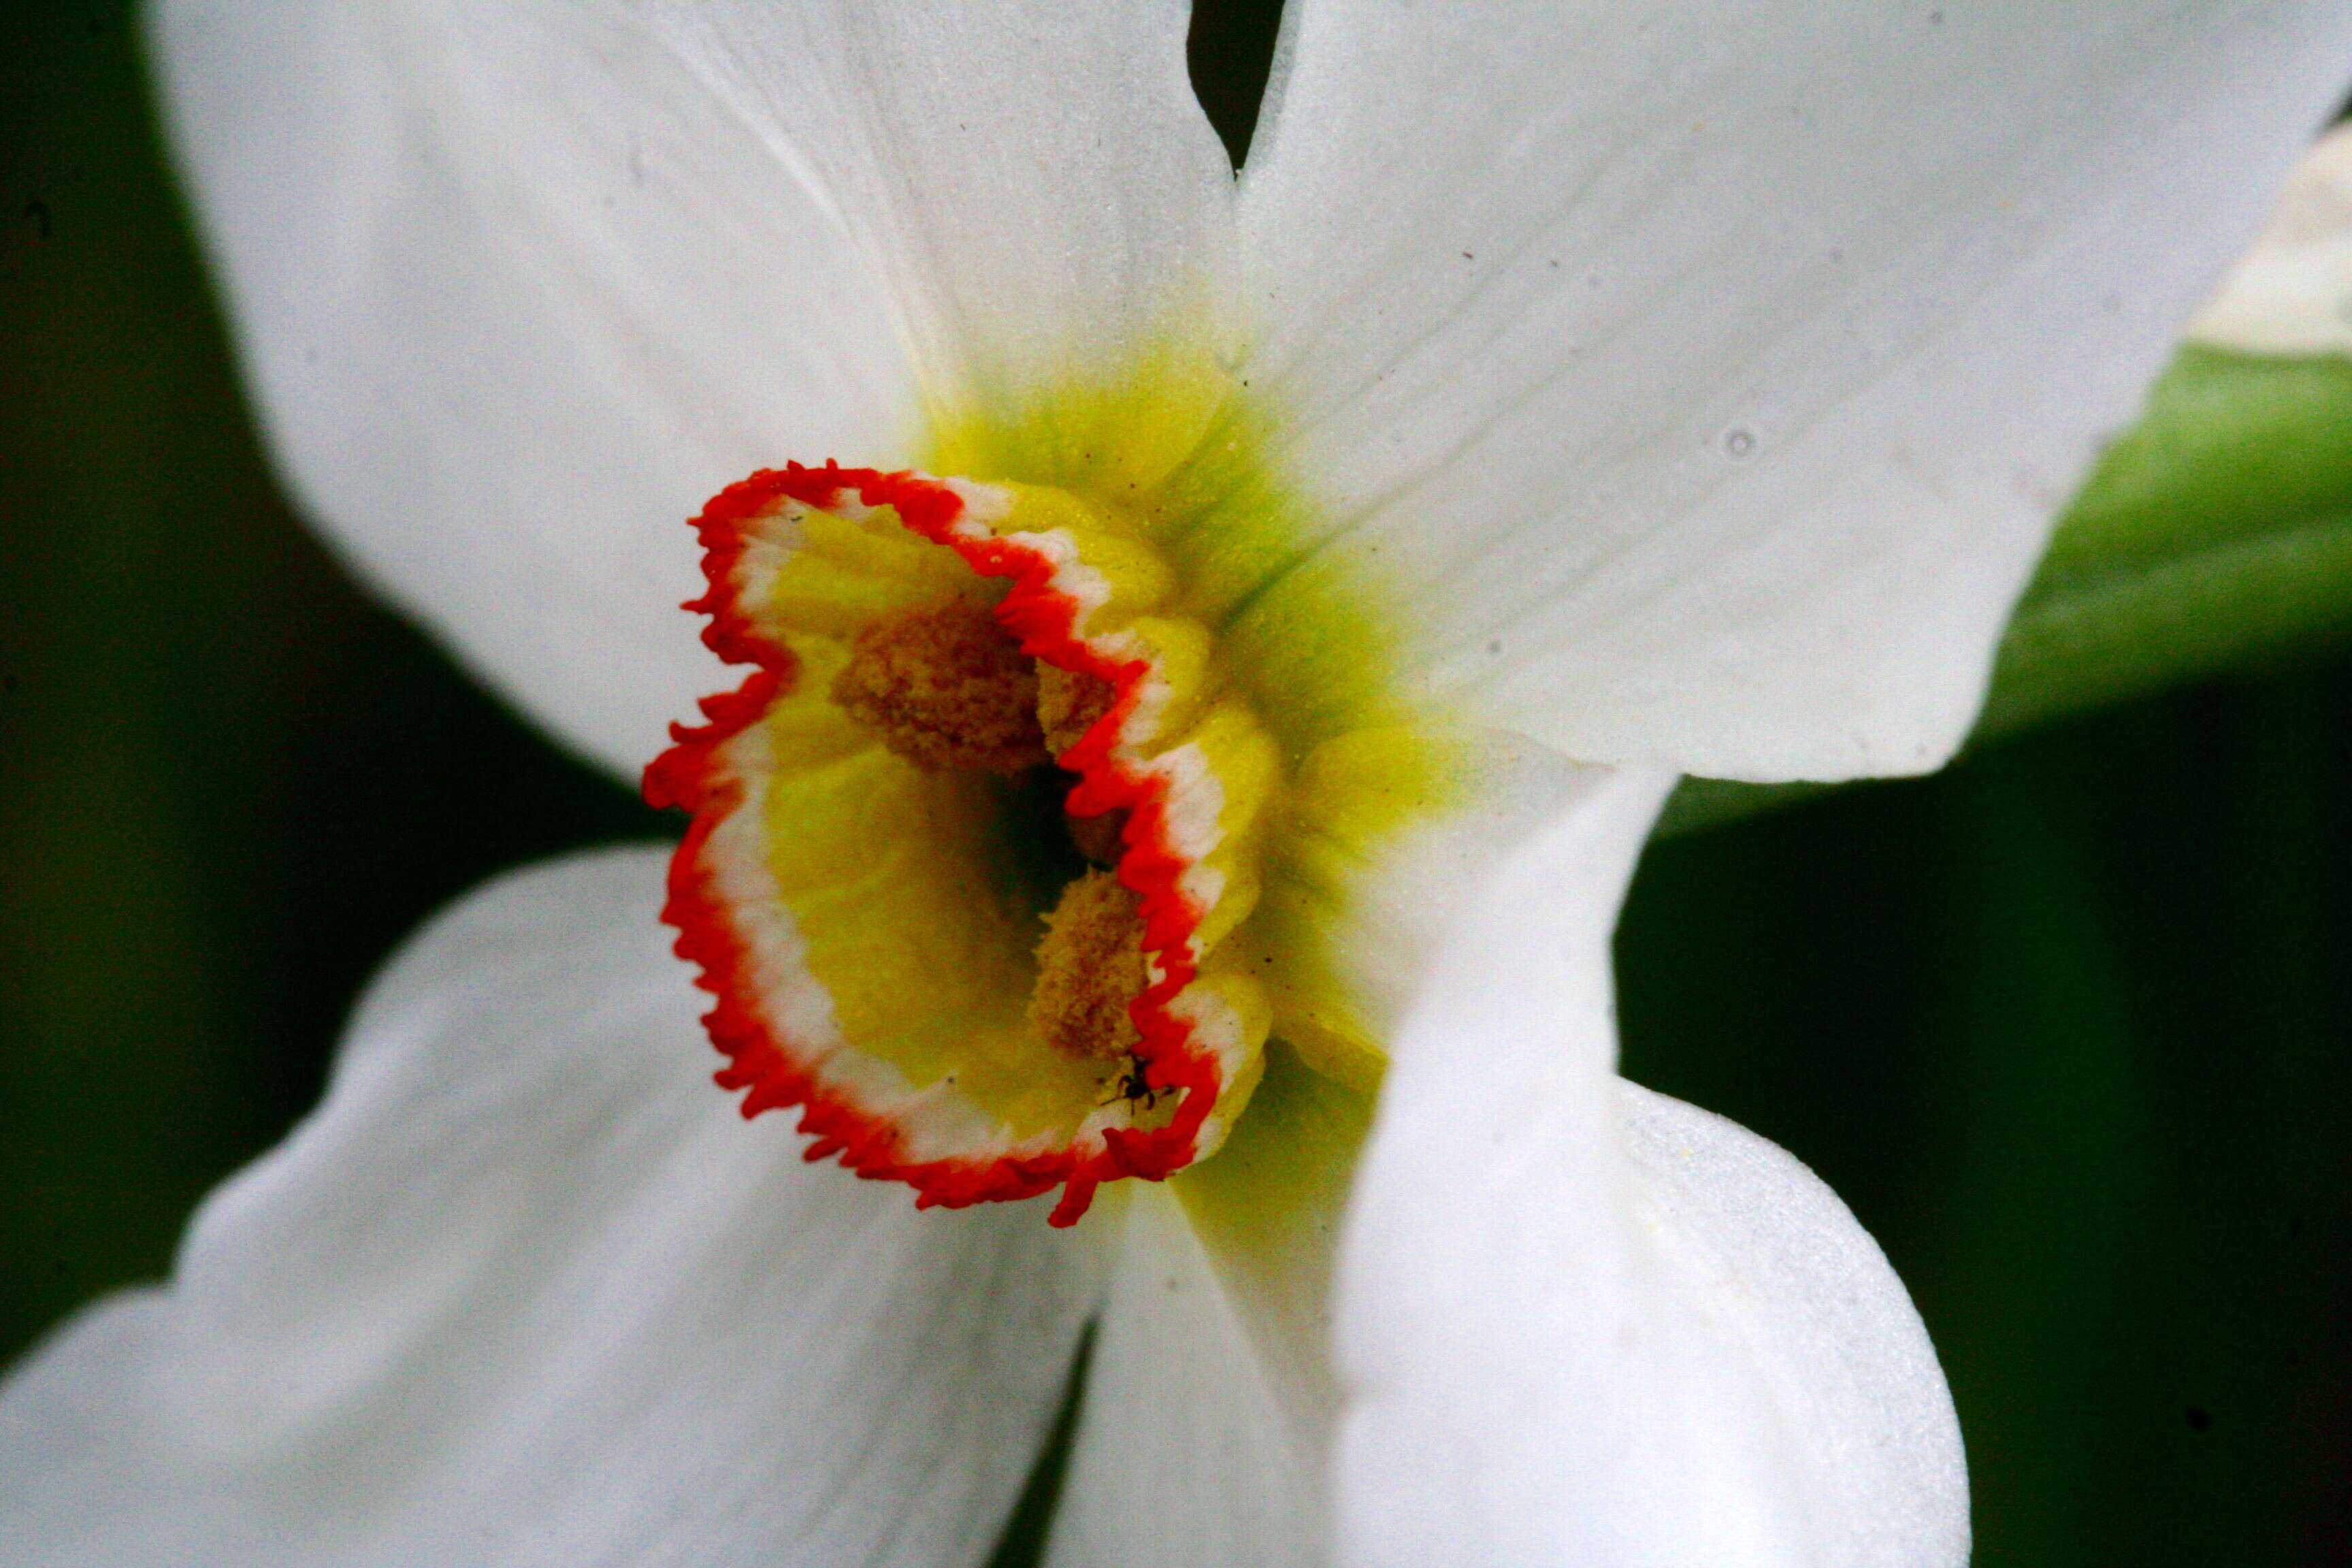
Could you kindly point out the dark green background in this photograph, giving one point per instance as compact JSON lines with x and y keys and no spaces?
{"x":2066,"y":1025}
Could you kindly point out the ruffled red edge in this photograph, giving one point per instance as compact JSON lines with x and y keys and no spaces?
{"x":693,"y":776}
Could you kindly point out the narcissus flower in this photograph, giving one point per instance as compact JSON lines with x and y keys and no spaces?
{"x":1211,"y":653}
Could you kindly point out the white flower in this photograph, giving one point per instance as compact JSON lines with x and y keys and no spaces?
{"x":1623,"y":390}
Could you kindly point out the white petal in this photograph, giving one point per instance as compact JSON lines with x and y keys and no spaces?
{"x":1206,"y":1432}
{"x":2292,"y":294}
{"x":527,"y":1290}
{"x":1207,"y":1424}
{"x":1205,"y":1435}
{"x":1034,"y":179}
{"x":1742,"y":1234}
{"x":1580,"y":1328}
{"x":1408,"y":888}
{"x":1714,"y":372}
{"x":516,"y":293}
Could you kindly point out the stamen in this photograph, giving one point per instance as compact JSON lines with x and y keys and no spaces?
{"x":1069,"y":703}
{"x":945,"y":686}
{"x":1090,"y":968}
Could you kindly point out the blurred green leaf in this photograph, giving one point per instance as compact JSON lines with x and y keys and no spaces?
{"x":2216,"y":532}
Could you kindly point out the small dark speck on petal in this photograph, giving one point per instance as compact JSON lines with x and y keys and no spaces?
{"x":1739,"y":443}
{"x":2200,"y":1419}
{"x":1494,"y":646}
{"x":1467,"y":256}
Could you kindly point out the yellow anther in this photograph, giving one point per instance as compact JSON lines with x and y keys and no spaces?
{"x":1089,"y":967}
{"x":945,"y":686}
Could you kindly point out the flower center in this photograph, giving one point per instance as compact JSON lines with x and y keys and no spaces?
{"x":988,"y":794}
{"x":1037,"y":840}
{"x":946,"y":686}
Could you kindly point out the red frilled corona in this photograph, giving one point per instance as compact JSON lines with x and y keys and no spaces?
{"x":1034,"y":825}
